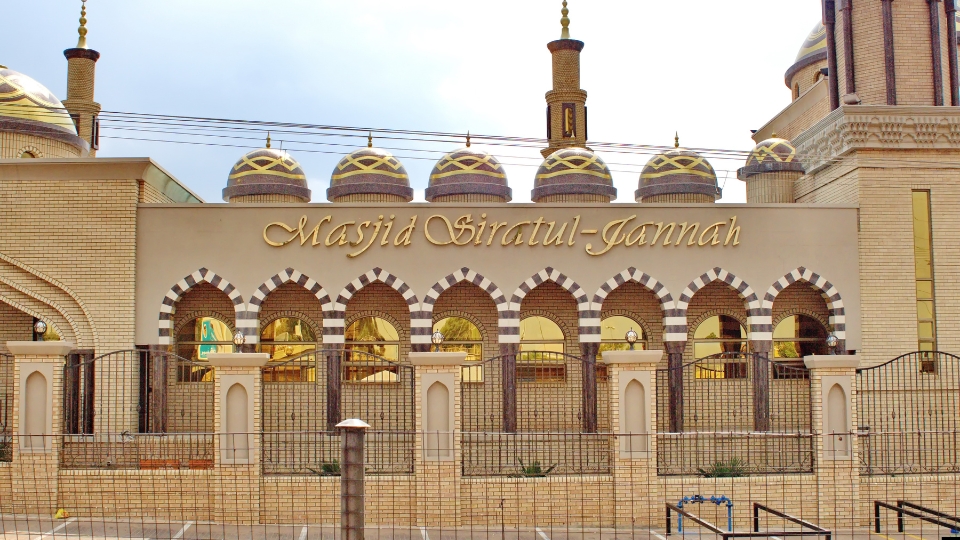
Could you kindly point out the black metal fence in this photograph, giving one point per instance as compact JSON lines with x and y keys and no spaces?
{"x":304,"y":398}
{"x":908,"y":415}
{"x":6,"y":406}
{"x":735,"y":410}
{"x":137,"y":409}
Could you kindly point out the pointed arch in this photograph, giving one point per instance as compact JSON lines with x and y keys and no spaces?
{"x":168,"y":305}
{"x":673,"y":321}
{"x":588,"y":313}
{"x":333,"y":329}
{"x":827,"y":290}
{"x":287,"y":276}
{"x":760,"y":327}
{"x":469,"y":276}
{"x":58,"y":326}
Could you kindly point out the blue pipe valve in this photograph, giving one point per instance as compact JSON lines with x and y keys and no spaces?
{"x":700,"y":499}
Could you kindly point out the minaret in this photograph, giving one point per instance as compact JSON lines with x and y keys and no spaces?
{"x":566,"y":103}
{"x":81,"y":72}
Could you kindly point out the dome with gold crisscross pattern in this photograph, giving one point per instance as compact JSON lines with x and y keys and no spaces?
{"x":468,"y":175}
{"x":370,"y":175}
{"x":573,"y":175}
{"x":266,"y":175}
{"x":678,"y":172}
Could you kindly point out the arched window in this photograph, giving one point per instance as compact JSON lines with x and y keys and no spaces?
{"x":374,"y":336}
{"x":540,"y":342}
{"x":28,"y":155}
{"x":798,"y":336}
{"x":796,"y":91}
{"x":197,"y":339}
{"x":720,"y":334}
{"x":286,"y":338}
{"x":613,"y":332}
{"x":461,"y":335}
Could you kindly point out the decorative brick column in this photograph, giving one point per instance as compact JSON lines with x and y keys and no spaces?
{"x":438,"y":459}
{"x":633,"y":415}
{"x":37,"y":417}
{"x":833,"y":407}
{"x":237,"y":387}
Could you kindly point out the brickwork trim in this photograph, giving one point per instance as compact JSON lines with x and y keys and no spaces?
{"x":673,"y":321}
{"x":588,"y":312}
{"x":168,"y":305}
{"x":251,"y":318}
{"x":468,"y":275}
{"x":37,"y":315}
{"x":760,"y":327}
{"x":334,"y":324}
{"x":827,"y":290}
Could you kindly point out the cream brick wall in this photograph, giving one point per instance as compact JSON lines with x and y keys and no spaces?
{"x":13,"y":145}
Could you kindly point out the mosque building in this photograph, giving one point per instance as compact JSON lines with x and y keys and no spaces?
{"x":846,"y":244}
{"x":839,"y":149}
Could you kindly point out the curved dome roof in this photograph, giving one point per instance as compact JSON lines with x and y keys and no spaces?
{"x":573,"y":171}
{"x":815,"y":44}
{"x":26,"y":101}
{"x":468,"y":171}
{"x":678,"y":171}
{"x":267,"y":171}
{"x":773,"y":154}
{"x":370,"y":171}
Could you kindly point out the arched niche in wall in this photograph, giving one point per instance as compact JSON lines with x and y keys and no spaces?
{"x":837,"y":443}
{"x":635,"y":414}
{"x":437,"y":420}
{"x":35,"y":421}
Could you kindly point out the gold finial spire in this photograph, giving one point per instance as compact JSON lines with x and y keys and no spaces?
{"x":82,"y":42}
{"x":268,"y":139}
{"x":773,"y":135}
{"x":676,"y":140}
{"x":468,"y":139}
{"x":370,"y":140}
{"x":565,"y":22}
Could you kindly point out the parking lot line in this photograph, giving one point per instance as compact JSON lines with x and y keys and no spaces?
{"x":57,"y":529}
{"x":303,"y":534}
{"x":183,"y":530}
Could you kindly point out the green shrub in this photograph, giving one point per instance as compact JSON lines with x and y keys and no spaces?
{"x":733,"y":468}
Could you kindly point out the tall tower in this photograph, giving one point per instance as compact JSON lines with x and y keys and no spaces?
{"x":81,"y":74}
{"x":566,"y":103}
{"x":892,"y":53}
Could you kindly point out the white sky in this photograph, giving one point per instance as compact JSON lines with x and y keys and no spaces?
{"x":710,"y":70}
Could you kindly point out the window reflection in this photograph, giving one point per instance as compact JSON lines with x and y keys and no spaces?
{"x":376,"y":340}
{"x":613,"y":332}
{"x":284,"y":339}
{"x":540,"y":341}
{"x":720,"y":334}
{"x":196,"y":341}
{"x":461,"y":335}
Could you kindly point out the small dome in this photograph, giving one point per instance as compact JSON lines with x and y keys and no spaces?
{"x":468,"y":172}
{"x":267,"y":171}
{"x":772,"y":155}
{"x":678,"y":172}
{"x":370,"y":171}
{"x":573,"y":171}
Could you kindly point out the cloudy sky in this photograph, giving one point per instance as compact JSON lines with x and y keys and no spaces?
{"x":710,"y":70}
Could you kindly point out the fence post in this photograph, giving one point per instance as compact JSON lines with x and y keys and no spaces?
{"x":237,"y":404}
{"x":589,"y":379}
{"x":37,"y":423}
{"x":352,"y":498}
{"x":508,"y":356}
{"x":438,"y":456}
{"x":833,"y":389}
{"x":675,"y":379}
{"x":633,"y":406}
{"x":334,"y":371}
{"x":761,"y":384}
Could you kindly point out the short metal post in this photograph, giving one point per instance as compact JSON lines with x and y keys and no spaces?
{"x":353,"y":440}
{"x":876,"y":516}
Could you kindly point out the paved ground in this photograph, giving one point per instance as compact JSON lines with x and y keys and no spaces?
{"x":37,"y":528}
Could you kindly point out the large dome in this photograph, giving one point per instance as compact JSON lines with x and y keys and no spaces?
{"x":678,"y":172}
{"x":813,"y":52}
{"x":570,"y":173}
{"x":369,"y":172}
{"x":24,"y":99}
{"x":266,"y":172}
{"x":469,"y":174}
